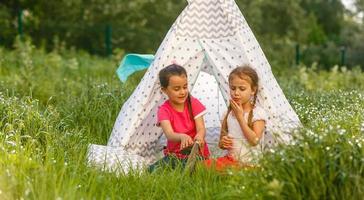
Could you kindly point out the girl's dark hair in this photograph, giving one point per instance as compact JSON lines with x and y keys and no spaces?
{"x":249,"y":74}
{"x":167,"y":72}
{"x":174,"y":70}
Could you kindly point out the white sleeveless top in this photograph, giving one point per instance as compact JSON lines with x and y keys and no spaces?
{"x":241,"y":149}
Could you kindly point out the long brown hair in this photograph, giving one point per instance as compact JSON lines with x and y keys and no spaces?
{"x":175,"y":70}
{"x":247,"y":73}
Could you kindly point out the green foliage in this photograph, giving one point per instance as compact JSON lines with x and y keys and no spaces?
{"x":54,"y":104}
{"x":322,"y":27}
{"x":277,"y":34}
{"x":326,"y":153}
{"x":84,"y":28}
{"x":316,"y":34}
{"x":6,"y":27}
{"x":355,"y":55}
{"x":359,"y":5}
{"x":329,"y":14}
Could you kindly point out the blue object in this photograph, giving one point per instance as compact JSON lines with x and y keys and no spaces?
{"x":132,"y":63}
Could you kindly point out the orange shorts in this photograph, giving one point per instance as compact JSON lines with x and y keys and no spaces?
{"x":222,"y":163}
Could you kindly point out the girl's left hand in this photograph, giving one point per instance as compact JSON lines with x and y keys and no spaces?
{"x":226,"y":142}
{"x":237,"y":109}
{"x":200,"y":139}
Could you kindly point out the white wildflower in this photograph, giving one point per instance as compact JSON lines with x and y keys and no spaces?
{"x":342,"y":131}
{"x":27,"y":192}
{"x":11,"y":143}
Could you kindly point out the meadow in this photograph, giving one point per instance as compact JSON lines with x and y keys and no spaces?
{"x":54,"y":104}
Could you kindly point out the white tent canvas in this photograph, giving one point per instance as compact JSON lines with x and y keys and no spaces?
{"x":209,"y":39}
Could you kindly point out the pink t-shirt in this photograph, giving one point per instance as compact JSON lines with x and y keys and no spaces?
{"x":181,"y":123}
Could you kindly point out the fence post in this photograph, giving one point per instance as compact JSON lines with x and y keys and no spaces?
{"x":20,"y":23}
{"x":343,"y":55}
{"x":298,"y":56}
{"x":108,"y":40}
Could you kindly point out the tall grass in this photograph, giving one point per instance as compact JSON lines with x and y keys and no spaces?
{"x":52,"y":105}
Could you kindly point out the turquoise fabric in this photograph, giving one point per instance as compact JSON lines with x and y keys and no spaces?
{"x":132,"y":63}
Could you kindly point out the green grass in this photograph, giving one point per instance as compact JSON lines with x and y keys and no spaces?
{"x":52,"y":105}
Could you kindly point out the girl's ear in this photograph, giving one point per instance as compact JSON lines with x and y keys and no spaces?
{"x":254,"y":90}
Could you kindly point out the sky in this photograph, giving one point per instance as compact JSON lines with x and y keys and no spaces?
{"x":348,"y":3}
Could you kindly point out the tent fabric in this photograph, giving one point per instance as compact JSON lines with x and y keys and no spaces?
{"x":132,"y":63}
{"x":114,"y":159}
{"x":209,"y":39}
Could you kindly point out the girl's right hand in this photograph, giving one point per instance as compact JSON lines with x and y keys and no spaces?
{"x":186,"y":141}
{"x":227,"y":142}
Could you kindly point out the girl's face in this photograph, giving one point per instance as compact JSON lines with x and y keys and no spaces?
{"x":241,"y":90}
{"x":177,"y":89}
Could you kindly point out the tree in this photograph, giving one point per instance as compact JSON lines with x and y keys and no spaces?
{"x":329,"y":15}
{"x":359,"y":5}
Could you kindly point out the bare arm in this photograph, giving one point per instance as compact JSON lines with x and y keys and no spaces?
{"x":175,"y":137}
{"x":225,"y":141}
{"x":252,"y":135}
{"x":200,"y":130}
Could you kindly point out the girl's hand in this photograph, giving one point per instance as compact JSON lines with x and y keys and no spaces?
{"x":237,"y":110}
{"x":186,"y":141}
{"x":227,"y":142}
{"x":200,"y":139}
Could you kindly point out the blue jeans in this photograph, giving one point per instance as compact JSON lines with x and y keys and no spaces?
{"x":170,"y":162}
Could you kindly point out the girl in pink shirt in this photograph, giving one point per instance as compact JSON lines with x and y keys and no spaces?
{"x":181,"y":117}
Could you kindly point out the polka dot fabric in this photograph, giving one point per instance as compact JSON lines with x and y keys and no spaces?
{"x":210,"y":38}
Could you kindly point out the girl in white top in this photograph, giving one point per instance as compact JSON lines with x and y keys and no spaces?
{"x":244,"y":123}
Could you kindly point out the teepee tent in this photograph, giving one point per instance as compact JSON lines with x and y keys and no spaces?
{"x":209,"y":39}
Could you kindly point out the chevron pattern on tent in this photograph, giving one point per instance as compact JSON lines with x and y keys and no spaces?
{"x":208,"y":19}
